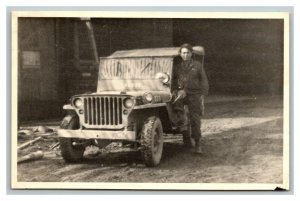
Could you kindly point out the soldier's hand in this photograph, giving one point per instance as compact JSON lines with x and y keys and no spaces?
{"x":181,"y":94}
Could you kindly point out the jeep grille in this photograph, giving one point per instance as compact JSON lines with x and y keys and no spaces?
{"x":103,"y":111}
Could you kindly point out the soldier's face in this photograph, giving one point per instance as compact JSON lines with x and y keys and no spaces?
{"x":185,"y":54}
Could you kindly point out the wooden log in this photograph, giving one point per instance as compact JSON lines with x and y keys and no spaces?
{"x":26,"y":144}
{"x":32,"y":156}
{"x":54,"y":145}
{"x":53,"y":134}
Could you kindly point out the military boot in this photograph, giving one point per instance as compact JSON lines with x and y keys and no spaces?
{"x":198,"y":148}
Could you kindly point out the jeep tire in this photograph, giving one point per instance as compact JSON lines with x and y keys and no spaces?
{"x":152,"y":141}
{"x":69,"y":152}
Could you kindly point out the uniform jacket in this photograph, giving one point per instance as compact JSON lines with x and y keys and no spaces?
{"x":191,"y":77}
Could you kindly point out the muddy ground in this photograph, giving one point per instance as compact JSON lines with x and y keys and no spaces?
{"x":242,"y":142}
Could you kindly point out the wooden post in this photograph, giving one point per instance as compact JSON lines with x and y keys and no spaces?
{"x":92,"y":39}
{"x":76,"y":46}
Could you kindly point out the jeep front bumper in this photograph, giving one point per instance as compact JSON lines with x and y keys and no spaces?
{"x":97,"y":134}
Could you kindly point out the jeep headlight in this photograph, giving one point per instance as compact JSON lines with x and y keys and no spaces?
{"x":78,"y":103}
{"x":163,"y":77}
{"x":148,"y":97}
{"x":128,"y":103}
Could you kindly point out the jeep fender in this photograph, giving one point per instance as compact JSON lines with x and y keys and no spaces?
{"x":140,"y":114}
{"x":70,"y":110}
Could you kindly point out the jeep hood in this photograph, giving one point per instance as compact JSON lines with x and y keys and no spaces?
{"x":164,"y":95}
{"x":130,"y":93}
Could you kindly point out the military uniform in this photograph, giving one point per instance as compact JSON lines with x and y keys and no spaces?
{"x":190,"y":76}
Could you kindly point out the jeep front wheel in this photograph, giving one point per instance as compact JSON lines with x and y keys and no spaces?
{"x":71,"y":149}
{"x":152,"y":141}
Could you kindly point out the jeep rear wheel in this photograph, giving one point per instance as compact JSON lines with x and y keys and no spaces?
{"x":71,"y":150}
{"x":152,"y":141}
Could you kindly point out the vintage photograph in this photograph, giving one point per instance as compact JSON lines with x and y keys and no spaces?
{"x":141,"y":100}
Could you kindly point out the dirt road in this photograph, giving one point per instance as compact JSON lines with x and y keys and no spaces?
{"x":242,"y":141}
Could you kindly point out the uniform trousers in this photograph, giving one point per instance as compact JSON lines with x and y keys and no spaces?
{"x":194,"y":103}
{"x":195,"y":106}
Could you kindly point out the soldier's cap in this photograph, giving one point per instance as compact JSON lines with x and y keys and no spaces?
{"x":187,"y":46}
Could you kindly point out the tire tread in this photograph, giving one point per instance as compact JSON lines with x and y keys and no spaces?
{"x":146,"y":140}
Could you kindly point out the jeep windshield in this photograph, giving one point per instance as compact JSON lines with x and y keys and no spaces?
{"x":128,"y":74}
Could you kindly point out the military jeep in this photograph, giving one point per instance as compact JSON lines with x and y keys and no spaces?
{"x":133,"y":104}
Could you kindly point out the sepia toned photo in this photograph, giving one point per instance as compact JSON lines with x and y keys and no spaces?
{"x":150,"y":101}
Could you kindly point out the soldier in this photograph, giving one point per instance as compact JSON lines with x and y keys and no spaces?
{"x":190,"y":82}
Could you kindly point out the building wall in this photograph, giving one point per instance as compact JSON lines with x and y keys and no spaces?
{"x":38,"y":70}
{"x":242,"y":56}
{"x":122,"y":34}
